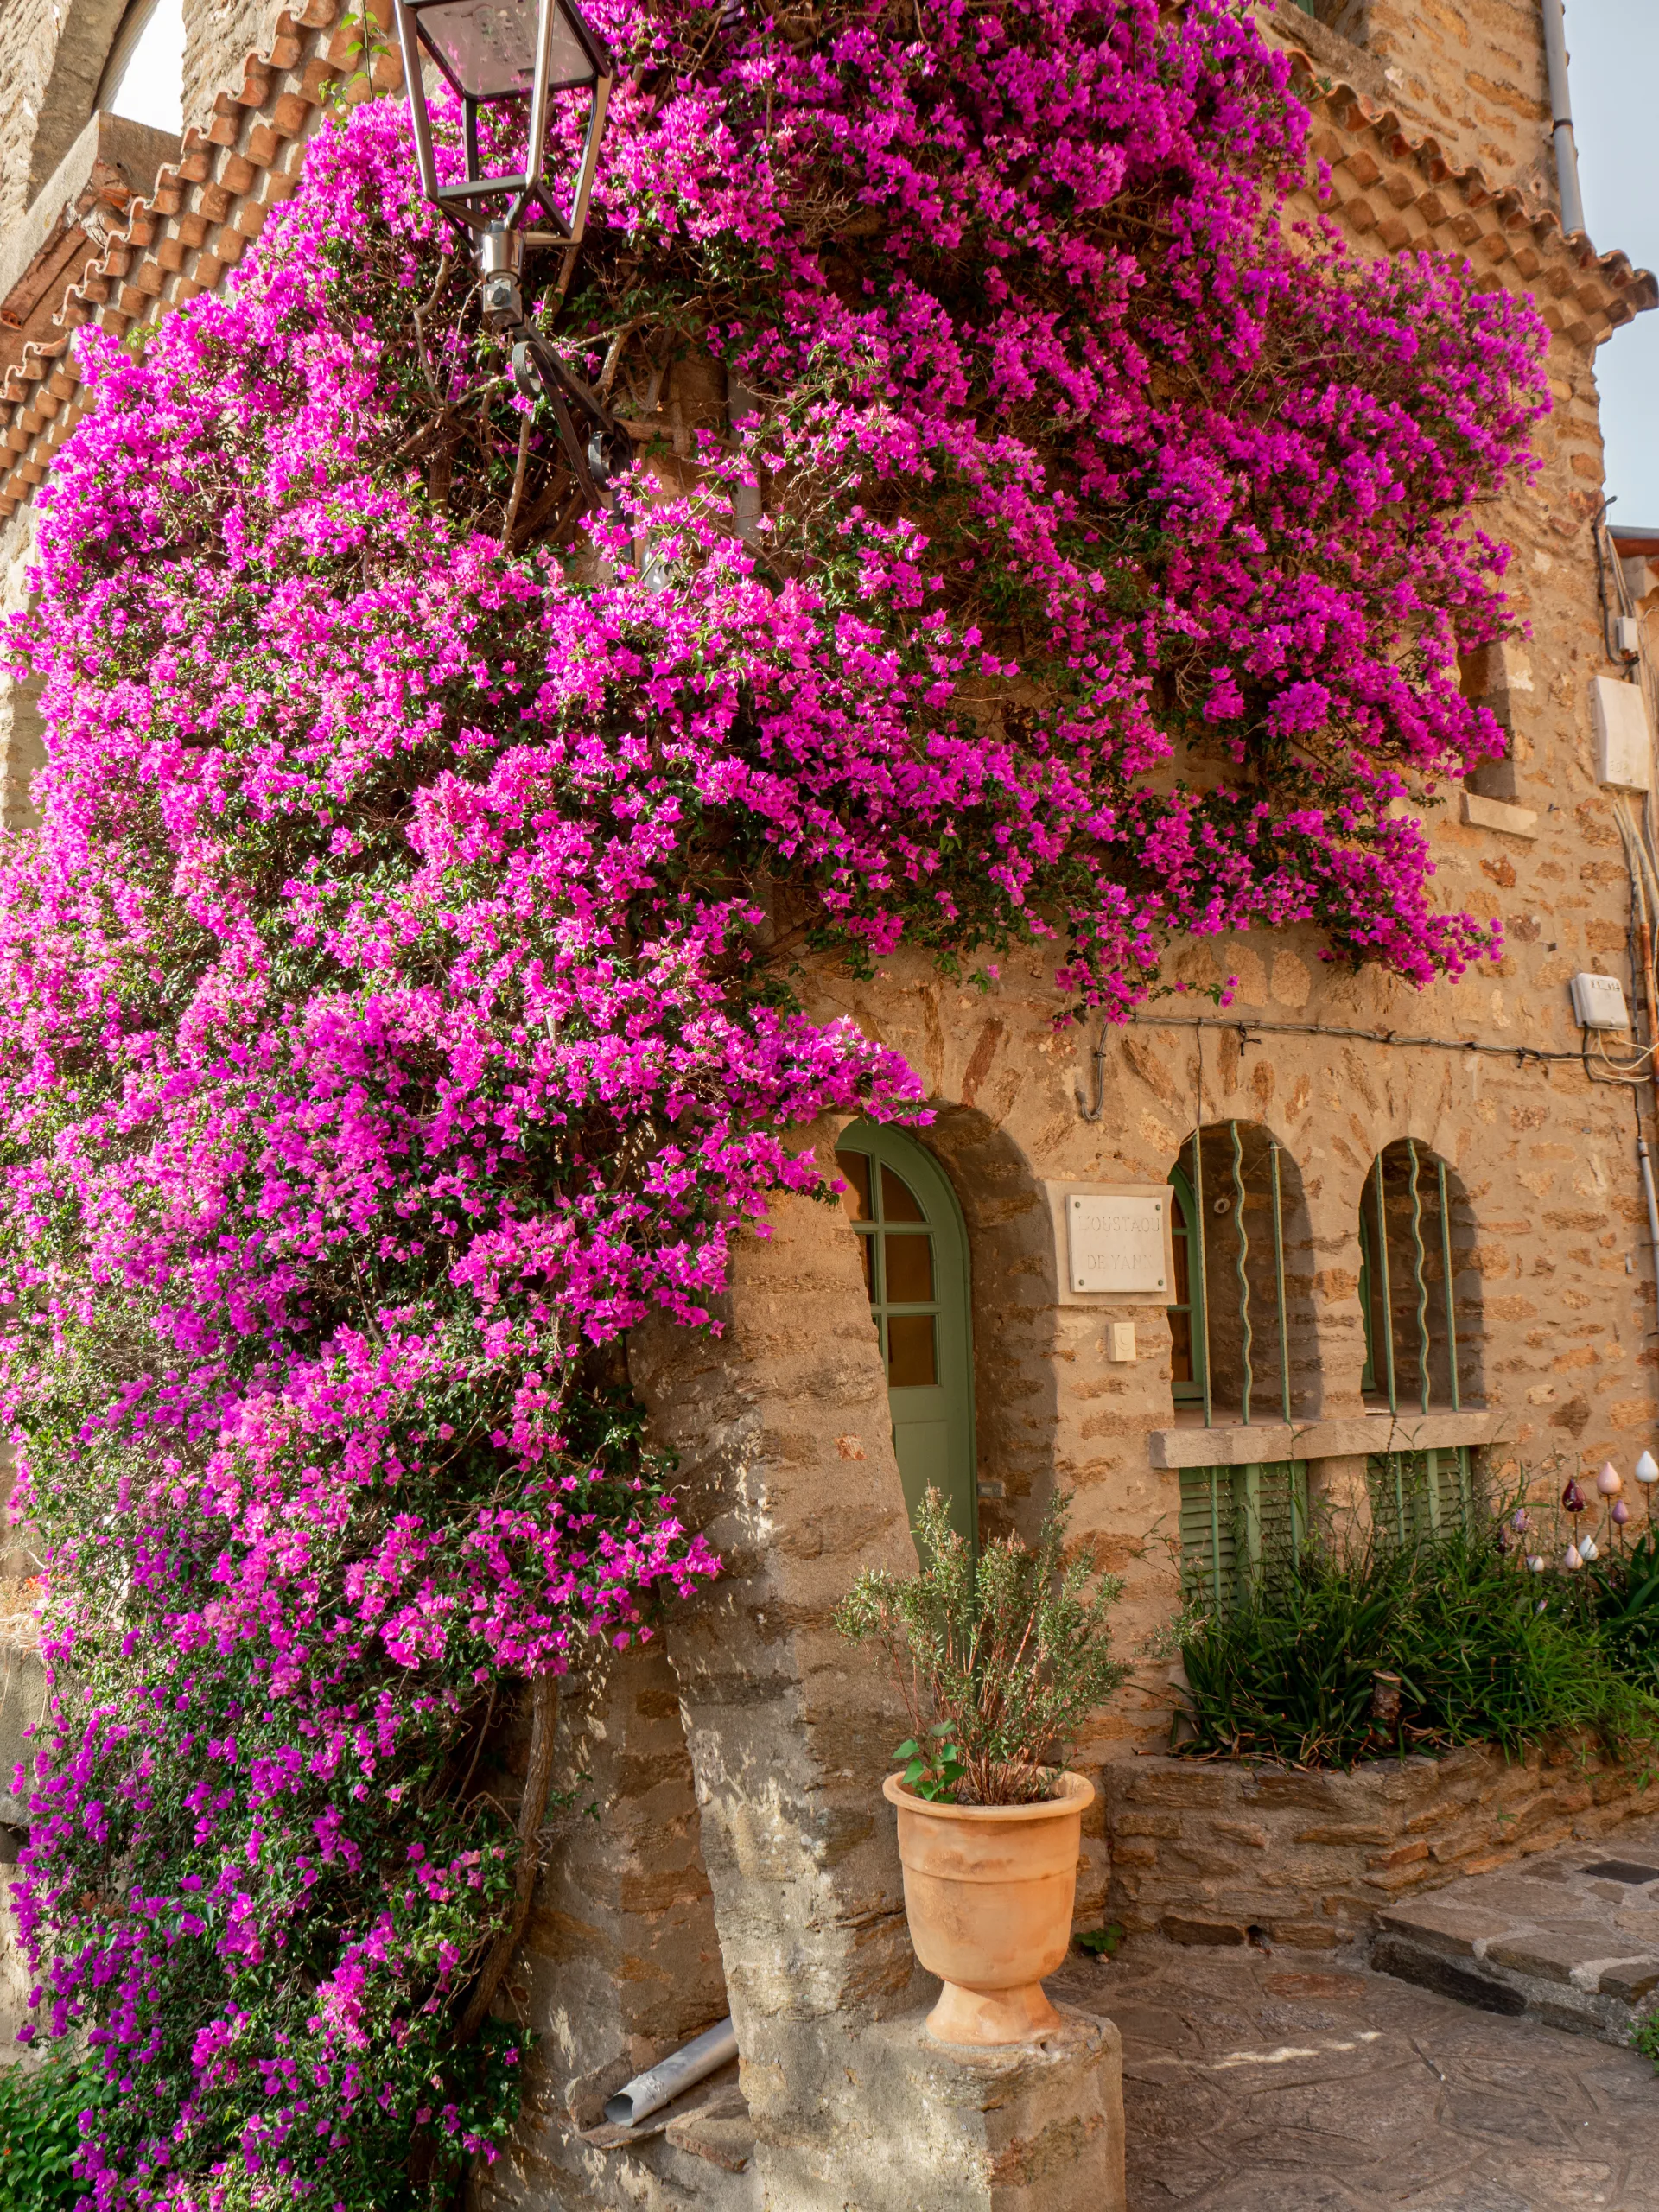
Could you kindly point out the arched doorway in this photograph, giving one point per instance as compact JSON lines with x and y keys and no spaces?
{"x":915,"y":1254}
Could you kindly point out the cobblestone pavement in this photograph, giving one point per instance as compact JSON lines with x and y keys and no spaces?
{"x":1293,"y":2083}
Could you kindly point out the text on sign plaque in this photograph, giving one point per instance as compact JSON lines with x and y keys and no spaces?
{"x":1115,"y":1243}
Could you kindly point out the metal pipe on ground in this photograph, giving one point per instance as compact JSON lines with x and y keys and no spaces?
{"x":671,"y":2077}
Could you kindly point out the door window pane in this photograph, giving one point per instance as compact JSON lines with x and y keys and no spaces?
{"x":915,"y":1275}
{"x":855,"y":1167}
{"x":910,"y":1270}
{"x":911,"y":1364}
{"x":897,"y":1200}
{"x":1181,"y":1345}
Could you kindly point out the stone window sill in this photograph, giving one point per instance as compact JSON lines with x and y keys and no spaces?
{"x":1497,"y":814}
{"x":1238,"y":1446}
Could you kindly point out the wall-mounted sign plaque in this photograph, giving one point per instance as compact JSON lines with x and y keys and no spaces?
{"x":1115,"y":1241}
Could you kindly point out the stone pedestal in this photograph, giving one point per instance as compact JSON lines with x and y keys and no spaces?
{"x":903,"y":2124}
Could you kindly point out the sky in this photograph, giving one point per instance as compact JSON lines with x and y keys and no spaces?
{"x":149,"y":87}
{"x":1613,"y":46}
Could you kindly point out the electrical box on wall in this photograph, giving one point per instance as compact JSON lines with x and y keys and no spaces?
{"x":1623,"y":739}
{"x":1599,"y":1002}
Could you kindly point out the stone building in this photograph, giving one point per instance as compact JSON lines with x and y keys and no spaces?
{"x":1335,"y":1250}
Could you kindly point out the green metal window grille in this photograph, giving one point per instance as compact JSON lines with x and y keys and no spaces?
{"x":1186,"y":1328}
{"x":1237,"y":1520}
{"x":1221,"y":1183}
{"x":1419,"y":1494}
{"x":1396,"y":1296}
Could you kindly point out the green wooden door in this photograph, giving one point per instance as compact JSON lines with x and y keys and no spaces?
{"x":915,"y":1253}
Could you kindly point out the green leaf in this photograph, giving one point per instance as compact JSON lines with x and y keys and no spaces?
{"x":1102,"y":1942}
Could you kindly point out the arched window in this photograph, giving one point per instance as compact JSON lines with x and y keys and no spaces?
{"x":1240,"y":1348}
{"x":143,"y":78}
{"x":1422,"y":1317}
{"x":1422,"y":1333}
{"x":915,"y":1253}
{"x":1239,"y":1323}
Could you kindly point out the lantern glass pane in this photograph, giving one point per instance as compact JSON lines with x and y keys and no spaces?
{"x":488,"y":46}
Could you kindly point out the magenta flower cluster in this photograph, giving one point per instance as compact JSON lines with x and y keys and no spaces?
{"x":399,"y":996}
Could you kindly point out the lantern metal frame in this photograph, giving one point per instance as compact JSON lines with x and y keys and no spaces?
{"x":475,"y":203}
{"x":490,"y":211}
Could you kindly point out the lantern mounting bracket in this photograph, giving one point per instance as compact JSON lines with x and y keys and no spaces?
{"x":536,"y":369}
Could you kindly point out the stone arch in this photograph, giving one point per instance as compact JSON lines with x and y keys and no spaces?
{"x":1423,"y":1352}
{"x":1243,"y":1325}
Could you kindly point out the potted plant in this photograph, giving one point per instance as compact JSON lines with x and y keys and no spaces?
{"x":1000,"y":1661}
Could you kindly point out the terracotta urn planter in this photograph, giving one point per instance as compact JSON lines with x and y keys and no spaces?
{"x":988,"y":1893}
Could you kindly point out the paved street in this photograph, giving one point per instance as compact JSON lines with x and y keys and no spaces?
{"x":1288,"y":2084}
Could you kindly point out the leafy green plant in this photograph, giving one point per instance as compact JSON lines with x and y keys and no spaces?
{"x":1000,"y":1661}
{"x":40,"y":2131}
{"x":1485,"y":1651}
{"x":1104,"y":1942}
{"x":1622,"y":1593}
{"x":933,"y":1767}
{"x":1644,"y":2036}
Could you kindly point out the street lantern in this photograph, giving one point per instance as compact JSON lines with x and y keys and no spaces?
{"x":496,"y":50}
{"x":526,"y":50}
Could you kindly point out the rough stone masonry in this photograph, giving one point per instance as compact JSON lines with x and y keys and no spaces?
{"x":743,"y":1859}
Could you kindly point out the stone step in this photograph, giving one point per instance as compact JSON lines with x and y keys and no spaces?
{"x":1570,"y":1936}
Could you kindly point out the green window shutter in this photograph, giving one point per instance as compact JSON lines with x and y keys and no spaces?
{"x":1188,"y":1329}
{"x":1208,"y":1536}
{"x":1456,"y":1488}
{"x":1237,"y":1520}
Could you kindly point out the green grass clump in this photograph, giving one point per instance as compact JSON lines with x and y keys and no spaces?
{"x":1485,"y":1651}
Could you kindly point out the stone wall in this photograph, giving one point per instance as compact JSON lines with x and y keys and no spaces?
{"x":1218,"y":1852}
{"x":52,"y":54}
{"x":22,"y":750}
{"x":1474,"y":75}
{"x":623,"y":1961}
{"x":780,"y":1427}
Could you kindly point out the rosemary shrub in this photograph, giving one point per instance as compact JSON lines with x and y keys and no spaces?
{"x":1000,"y":1660}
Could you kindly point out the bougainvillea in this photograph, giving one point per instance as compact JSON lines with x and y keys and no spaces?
{"x":402,"y":995}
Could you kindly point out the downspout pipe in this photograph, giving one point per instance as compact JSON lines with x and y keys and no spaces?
{"x":1560,"y":109}
{"x":659,"y":2085}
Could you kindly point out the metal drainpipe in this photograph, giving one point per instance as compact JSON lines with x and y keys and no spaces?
{"x":1560,"y":109}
